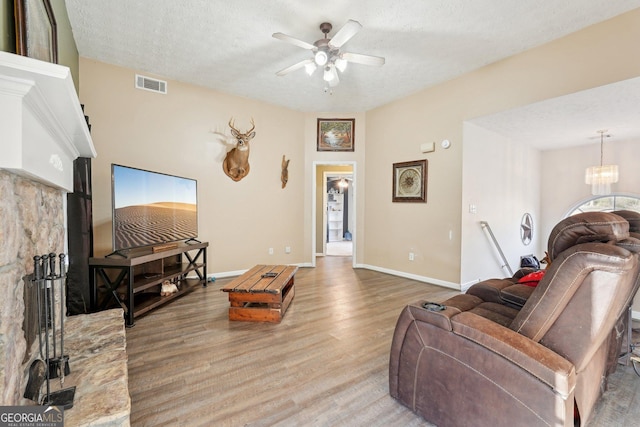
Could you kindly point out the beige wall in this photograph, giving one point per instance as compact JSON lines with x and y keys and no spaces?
{"x":598,"y":55}
{"x":7,"y":28}
{"x":173,"y":134}
{"x":67,"y":50}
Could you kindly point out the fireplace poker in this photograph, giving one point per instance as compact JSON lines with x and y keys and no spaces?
{"x":59,"y":364}
{"x":52,"y":300}
{"x":64,"y":368}
{"x":37,"y":276}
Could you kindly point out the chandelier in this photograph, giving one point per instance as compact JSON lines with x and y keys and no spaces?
{"x":601,"y":177}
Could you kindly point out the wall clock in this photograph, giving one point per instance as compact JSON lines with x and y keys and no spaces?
{"x":410,"y":181}
{"x":526,"y":228}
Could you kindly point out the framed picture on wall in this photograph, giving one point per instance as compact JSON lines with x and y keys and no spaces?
{"x":36,"y":34}
{"x":336,"y":134}
{"x":410,"y":181}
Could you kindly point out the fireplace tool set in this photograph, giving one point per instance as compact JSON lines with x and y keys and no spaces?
{"x":53,"y":363}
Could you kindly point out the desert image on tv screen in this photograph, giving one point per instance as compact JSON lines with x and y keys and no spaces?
{"x":152,"y":208}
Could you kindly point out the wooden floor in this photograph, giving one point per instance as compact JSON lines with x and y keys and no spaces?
{"x":326,"y":364}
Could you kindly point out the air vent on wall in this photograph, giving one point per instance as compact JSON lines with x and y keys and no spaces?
{"x":154,"y":85}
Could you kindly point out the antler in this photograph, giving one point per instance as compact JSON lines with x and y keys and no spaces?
{"x":232,"y":126}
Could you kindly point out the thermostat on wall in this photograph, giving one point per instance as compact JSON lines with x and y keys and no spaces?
{"x":428,"y":147}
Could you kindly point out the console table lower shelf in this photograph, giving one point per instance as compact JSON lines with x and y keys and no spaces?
{"x":134,"y":282}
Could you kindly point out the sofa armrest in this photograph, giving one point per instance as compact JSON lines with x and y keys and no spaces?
{"x":442,"y":319}
{"x":552,"y":369}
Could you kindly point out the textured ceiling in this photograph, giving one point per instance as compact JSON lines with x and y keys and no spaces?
{"x":228,"y":45}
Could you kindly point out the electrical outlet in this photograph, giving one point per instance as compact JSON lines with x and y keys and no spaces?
{"x":411,"y":256}
{"x":270,"y":251}
{"x":287,"y":249}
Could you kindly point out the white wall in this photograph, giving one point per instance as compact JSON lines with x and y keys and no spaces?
{"x":502,"y":179}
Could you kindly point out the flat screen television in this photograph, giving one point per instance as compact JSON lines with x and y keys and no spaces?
{"x":151,"y":208}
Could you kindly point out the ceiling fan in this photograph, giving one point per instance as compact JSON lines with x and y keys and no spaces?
{"x":327,"y":54}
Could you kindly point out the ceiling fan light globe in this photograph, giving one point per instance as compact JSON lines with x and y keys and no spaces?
{"x":310,"y":68}
{"x":321,"y":57}
{"x":328,"y":75}
{"x":341,"y":64}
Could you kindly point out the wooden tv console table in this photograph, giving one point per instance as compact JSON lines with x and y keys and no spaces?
{"x":133,"y":282}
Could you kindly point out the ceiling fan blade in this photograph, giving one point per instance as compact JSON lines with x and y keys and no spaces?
{"x":294,"y":41}
{"x":345,"y":33}
{"x":362,"y":59}
{"x":294,"y":67}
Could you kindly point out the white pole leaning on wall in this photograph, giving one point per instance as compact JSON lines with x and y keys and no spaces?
{"x":485,"y":226}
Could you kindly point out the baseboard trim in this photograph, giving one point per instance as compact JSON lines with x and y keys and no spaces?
{"x":225,"y":274}
{"x":635,"y":315}
{"x":411,"y":276}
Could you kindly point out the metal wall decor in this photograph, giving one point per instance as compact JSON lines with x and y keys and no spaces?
{"x":526,"y":229}
{"x":410,"y":181}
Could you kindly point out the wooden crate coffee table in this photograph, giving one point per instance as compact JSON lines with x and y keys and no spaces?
{"x":262,"y":294}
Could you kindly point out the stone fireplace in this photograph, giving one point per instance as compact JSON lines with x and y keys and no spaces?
{"x":31,"y":223}
{"x":43,"y":131}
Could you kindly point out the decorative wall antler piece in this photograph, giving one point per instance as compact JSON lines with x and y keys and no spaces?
{"x":284,"y":176}
{"x":236,"y":162}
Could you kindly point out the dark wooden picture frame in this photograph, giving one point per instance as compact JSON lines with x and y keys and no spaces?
{"x":36,"y":32}
{"x":336,"y":134}
{"x":410,"y":181}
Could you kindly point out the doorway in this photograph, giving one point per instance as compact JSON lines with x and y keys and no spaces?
{"x":334,"y":226}
{"x":338,"y":217}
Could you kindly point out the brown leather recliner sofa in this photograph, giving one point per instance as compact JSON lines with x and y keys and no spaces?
{"x":510,"y":292}
{"x":473,"y":362}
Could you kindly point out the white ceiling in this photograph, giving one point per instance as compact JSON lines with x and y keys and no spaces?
{"x":228,"y":45}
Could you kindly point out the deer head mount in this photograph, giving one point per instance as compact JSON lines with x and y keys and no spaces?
{"x":236,"y":162}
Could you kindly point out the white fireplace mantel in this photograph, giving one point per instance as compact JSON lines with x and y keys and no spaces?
{"x":42,"y":126}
